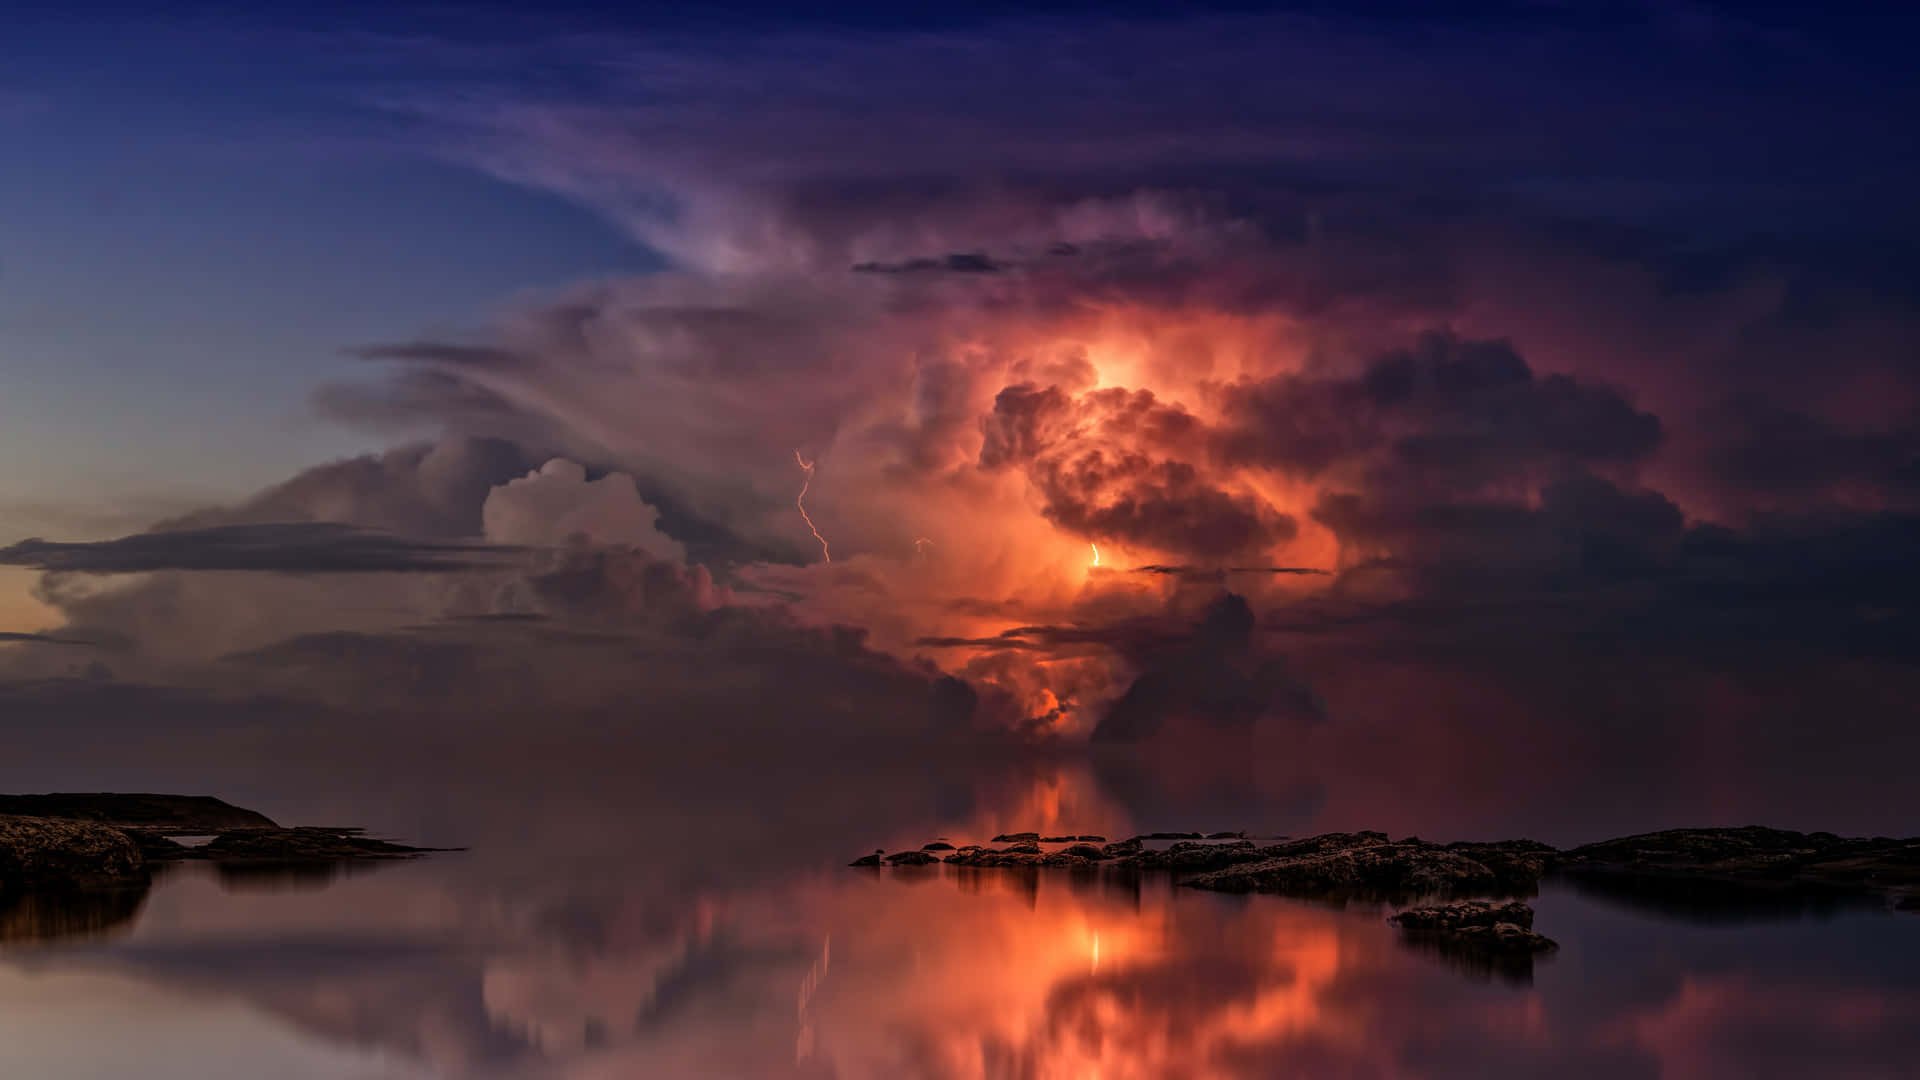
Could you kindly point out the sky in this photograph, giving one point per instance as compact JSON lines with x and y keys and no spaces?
{"x":1175,"y":377}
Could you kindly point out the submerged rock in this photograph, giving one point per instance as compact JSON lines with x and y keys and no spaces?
{"x":868,"y":860}
{"x":937,"y":845}
{"x":1056,"y":839}
{"x":911,"y":858}
{"x":1010,"y":838}
{"x":1091,"y":839}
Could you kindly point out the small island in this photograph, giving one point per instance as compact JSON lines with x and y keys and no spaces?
{"x":105,"y":840}
{"x":1754,"y":863}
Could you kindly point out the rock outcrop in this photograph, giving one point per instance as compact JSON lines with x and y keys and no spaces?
{"x":1368,"y":864}
{"x":173,"y":813}
{"x":1757,"y":858}
{"x":51,"y":853}
{"x":1479,"y":923}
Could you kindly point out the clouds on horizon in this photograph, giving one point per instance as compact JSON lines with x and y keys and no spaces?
{"x":1493,"y":358}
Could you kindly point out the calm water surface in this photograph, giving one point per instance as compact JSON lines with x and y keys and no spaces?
{"x":675,"y":922}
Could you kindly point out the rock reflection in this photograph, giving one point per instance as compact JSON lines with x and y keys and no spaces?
{"x":80,"y":915}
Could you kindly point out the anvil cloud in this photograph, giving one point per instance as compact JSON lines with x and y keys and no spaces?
{"x":1363,"y":348}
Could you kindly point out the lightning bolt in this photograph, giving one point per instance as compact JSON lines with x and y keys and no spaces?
{"x":800,"y":501}
{"x":1096,"y":552}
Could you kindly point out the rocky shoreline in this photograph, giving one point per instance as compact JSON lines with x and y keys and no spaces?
{"x":108,"y":840}
{"x":1752,"y":865}
{"x":1364,"y":865}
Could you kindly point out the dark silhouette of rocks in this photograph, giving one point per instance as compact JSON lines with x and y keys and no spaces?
{"x":1367,"y":864}
{"x":1470,"y":919}
{"x":1192,"y":856}
{"x":302,"y":844}
{"x":52,"y":853}
{"x":1478,"y":937}
{"x":1754,"y":858}
{"x":81,"y":842}
{"x":1370,"y":865}
{"x":1091,"y":839}
{"x":175,"y":813}
{"x":912,"y":858}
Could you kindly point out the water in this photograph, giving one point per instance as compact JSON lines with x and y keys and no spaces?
{"x":694,"y":918}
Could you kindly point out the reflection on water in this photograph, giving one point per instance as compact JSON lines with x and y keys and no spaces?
{"x":65,"y":916}
{"x":942,"y":972}
{"x":686,"y":927}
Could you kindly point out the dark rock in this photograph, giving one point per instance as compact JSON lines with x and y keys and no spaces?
{"x":1170,"y":836}
{"x":53,"y":853}
{"x":1356,"y":864}
{"x":867,"y":860}
{"x":1087,"y":851}
{"x":937,"y":845}
{"x":176,"y":813}
{"x":1027,"y":847}
{"x":1225,"y":836}
{"x":1758,"y":858}
{"x":1191,"y":857}
{"x":1503,"y":937}
{"x":986,"y":857}
{"x":1011,"y":838}
{"x":1203,"y":845}
{"x":971,"y":847}
{"x":1479,"y":938}
{"x":302,"y":844}
{"x":911,"y":858}
{"x":1123,"y":847}
{"x":1056,"y":839}
{"x":1478,"y":924}
{"x":1091,"y":839}
{"x":1451,"y":917}
{"x":1516,"y":864}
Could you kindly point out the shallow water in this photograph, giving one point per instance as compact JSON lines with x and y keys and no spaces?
{"x":675,"y":922}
